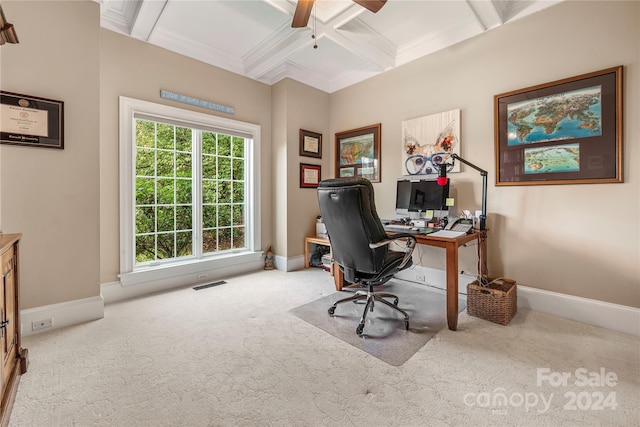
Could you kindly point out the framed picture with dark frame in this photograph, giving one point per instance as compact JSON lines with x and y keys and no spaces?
{"x":357,"y":153}
{"x":310,"y":144}
{"x":310,"y":175}
{"x":31,"y":121}
{"x":563,"y":132}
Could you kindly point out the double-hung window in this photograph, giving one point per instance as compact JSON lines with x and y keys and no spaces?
{"x":189,"y":191}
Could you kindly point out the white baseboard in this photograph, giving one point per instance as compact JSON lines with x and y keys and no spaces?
{"x":62,"y":314}
{"x":115,"y":291}
{"x":617,"y":317}
{"x":289,"y":264}
{"x":598,"y":313}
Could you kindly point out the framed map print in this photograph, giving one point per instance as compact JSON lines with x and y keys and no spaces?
{"x":358,"y":153}
{"x":564,"y":132}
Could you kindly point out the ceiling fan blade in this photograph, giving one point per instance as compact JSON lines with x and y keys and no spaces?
{"x":302,"y":13}
{"x":372,"y":5}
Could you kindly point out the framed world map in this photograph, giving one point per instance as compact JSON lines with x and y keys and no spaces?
{"x":564,"y":132}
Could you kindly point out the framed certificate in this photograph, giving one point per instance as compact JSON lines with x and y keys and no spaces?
{"x":31,"y":121}
{"x":310,"y":175}
{"x":310,"y":144}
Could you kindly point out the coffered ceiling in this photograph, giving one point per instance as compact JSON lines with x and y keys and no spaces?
{"x":254,"y":38}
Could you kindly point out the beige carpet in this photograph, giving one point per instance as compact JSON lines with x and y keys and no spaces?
{"x":385,"y":336}
{"x":233,"y":355}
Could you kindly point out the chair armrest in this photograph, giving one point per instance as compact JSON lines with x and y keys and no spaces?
{"x":392,"y":238}
{"x":411,"y":244}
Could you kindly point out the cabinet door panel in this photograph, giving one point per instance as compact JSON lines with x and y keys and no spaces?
{"x":8,"y":314}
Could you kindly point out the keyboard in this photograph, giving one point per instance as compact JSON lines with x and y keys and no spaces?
{"x":399,"y":227}
{"x":409,"y":229}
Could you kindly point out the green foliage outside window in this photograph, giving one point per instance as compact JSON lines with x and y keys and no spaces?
{"x":164,"y":220}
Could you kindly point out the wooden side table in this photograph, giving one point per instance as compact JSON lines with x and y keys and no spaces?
{"x":316,"y":241}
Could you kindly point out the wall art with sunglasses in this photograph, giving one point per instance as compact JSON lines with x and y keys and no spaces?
{"x":428,"y":141}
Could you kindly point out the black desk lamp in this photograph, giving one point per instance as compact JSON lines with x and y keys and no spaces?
{"x":442,"y":180}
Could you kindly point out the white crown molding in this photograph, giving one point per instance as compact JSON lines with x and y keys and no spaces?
{"x":430,"y":43}
{"x":185,"y":46}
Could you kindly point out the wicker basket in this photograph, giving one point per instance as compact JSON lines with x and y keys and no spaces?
{"x":496,"y":302}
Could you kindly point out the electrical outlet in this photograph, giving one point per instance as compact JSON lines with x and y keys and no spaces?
{"x":42,"y":324}
{"x":421,"y":278}
{"x":202,"y":276}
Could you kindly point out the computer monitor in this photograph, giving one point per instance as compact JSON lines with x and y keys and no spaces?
{"x":403,"y":196}
{"x":427,"y":195}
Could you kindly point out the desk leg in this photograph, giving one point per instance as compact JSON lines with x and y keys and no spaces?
{"x":306,"y":253}
{"x":338,"y":277}
{"x":452,"y":286}
{"x":482,"y":255}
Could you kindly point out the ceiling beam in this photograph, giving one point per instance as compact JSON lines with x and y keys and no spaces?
{"x":145,"y":21}
{"x":364,"y":41}
{"x":488,"y":14}
{"x":276,"y":49}
{"x":118,"y":15}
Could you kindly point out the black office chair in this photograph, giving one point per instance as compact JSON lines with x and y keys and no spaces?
{"x":359,"y":242}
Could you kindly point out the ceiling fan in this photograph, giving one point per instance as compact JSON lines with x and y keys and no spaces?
{"x":303,"y":10}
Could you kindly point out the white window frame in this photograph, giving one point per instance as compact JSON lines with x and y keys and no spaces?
{"x":190,"y":268}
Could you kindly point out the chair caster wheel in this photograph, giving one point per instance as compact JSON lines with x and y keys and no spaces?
{"x":359,"y":329}
{"x":331,"y":311}
{"x":406,"y":324}
{"x":395,"y":302}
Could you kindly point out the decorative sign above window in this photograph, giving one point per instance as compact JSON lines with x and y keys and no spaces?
{"x":197,"y":102}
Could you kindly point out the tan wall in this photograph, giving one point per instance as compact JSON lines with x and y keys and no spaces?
{"x":298,"y":107}
{"x":309,"y":110}
{"x":575,"y":239}
{"x":279,"y":168}
{"x":139,"y":70}
{"x":52,"y":196}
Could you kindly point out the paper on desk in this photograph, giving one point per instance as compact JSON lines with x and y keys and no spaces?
{"x":447,"y":234}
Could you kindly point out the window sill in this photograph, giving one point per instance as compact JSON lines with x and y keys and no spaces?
{"x":194,"y":268}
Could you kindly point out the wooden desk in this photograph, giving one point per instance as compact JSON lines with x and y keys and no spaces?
{"x":451,"y":247}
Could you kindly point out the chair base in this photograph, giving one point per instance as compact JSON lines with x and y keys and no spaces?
{"x":371,"y":297}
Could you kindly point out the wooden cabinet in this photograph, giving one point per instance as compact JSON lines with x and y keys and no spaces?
{"x":13,"y":358}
